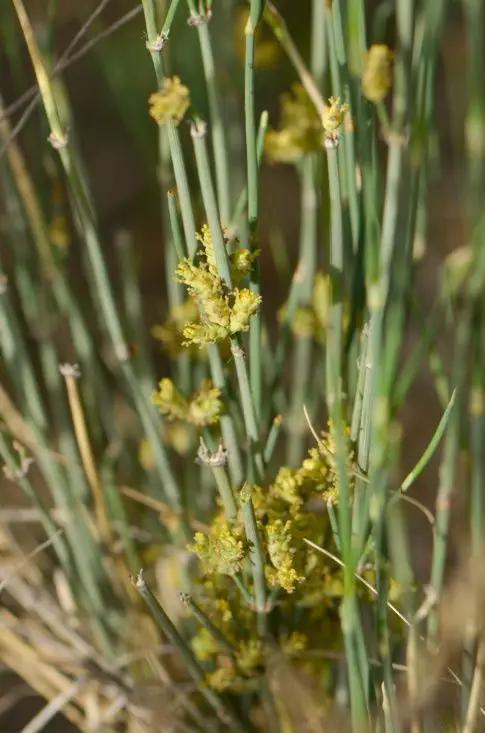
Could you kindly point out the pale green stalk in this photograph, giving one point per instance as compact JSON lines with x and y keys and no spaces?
{"x":134,"y":310}
{"x":228,"y":428}
{"x":377,"y":452}
{"x":443,"y":503}
{"x":119,"y":519}
{"x":308,"y":254}
{"x":17,"y":362}
{"x":303,"y":343}
{"x":296,"y":425}
{"x":255,"y":352}
{"x":177,"y":241}
{"x":341,"y":87}
{"x":174,"y":252}
{"x":219,"y":147}
{"x":359,"y":391}
{"x":183,"y":190}
{"x":302,"y":280}
{"x":272,"y":438}
{"x":226,"y":493}
{"x":242,"y":200}
{"x":256,"y":554}
{"x":198,"y":131}
{"x":248,"y":408}
{"x":205,"y":621}
{"x":167,"y":24}
{"x":350,"y":622}
{"x":378,"y":288}
{"x":431,"y":447}
{"x":356,"y":34}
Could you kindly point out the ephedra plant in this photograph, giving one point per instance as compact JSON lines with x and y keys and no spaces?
{"x":224,"y":534}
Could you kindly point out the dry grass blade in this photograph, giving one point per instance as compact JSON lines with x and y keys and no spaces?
{"x":28,"y":558}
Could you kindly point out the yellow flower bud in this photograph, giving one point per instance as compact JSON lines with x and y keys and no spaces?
{"x":205,"y":405}
{"x":201,"y":409}
{"x":170,"y":401}
{"x":246,"y":302}
{"x":300,"y":131}
{"x":170,"y":103}
{"x":221,"y":550}
{"x":377,"y":75}
{"x":333,"y":114}
{"x":241,"y":261}
{"x":202,"y":334}
{"x":221,"y":679}
{"x":282,"y":555}
{"x":250,"y":655}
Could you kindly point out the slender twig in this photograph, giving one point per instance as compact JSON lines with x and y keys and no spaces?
{"x":205,"y":621}
{"x":71,"y":375}
{"x":193,"y":667}
{"x":256,"y":553}
{"x":431,"y":447}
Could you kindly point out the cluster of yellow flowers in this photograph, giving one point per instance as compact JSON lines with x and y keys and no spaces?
{"x":300,"y":131}
{"x":377,"y":74}
{"x":222,"y":312}
{"x":291,"y":494}
{"x":240,"y":259}
{"x":240,"y":662}
{"x":287,"y":511}
{"x":281,"y":551}
{"x":202,"y":408}
{"x":170,"y":103}
{"x":333,"y":115}
{"x":222,"y":550}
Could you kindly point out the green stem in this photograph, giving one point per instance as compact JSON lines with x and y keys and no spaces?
{"x":195,"y":670}
{"x":255,"y":350}
{"x":350,"y":621}
{"x":198,"y":131}
{"x":447,"y":474}
{"x":226,"y":493}
{"x":256,"y":553}
{"x":228,"y":428}
{"x":174,"y":225}
{"x":302,"y":296}
{"x":431,"y":447}
{"x":205,"y":621}
{"x":183,"y":190}
{"x":217,"y":123}
{"x":272,"y":438}
{"x":242,"y":200}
